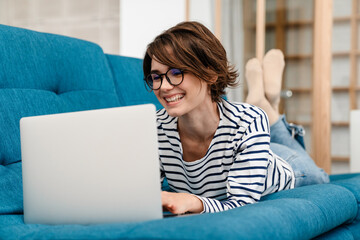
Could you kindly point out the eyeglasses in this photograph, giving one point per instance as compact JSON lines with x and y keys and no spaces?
{"x":174,"y":76}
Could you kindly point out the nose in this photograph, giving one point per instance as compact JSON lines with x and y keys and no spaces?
{"x":165,"y":86}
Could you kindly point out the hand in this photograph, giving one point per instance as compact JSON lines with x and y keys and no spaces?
{"x":179,"y":203}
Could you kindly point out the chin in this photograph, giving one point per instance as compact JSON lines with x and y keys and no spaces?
{"x":173,"y":112}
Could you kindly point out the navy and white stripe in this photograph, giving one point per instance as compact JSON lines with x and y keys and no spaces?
{"x":237,"y":169}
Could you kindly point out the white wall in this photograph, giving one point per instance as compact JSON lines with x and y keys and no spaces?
{"x":142,"y":20}
{"x":203,"y":11}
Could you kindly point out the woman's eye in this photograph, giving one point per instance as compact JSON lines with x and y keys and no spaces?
{"x":175,"y":71}
{"x":155,"y":77}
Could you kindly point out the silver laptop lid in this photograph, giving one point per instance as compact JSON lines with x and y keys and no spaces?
{"x":96,"y":166}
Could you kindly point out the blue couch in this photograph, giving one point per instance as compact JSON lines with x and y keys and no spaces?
{"x":44,"y":73}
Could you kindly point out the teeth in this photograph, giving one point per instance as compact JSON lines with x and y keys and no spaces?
{"x":174,"y":98}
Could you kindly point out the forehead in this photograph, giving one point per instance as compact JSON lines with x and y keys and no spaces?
{"x":157,"y":66}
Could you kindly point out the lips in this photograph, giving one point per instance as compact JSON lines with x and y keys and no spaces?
{"x":174,"y":98}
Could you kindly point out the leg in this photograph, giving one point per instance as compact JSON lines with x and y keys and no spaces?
{"x":284,"y":145}
{"x":265,"y":93}
{"x":282,"y":133}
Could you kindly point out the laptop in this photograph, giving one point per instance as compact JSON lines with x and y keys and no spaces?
{"x":91,"y":167}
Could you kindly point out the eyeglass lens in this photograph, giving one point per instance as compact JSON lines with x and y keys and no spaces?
{"x":173,"y":76}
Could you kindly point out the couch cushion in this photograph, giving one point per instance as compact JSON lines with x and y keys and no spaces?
{"x":337,"y":177}
{"x":352,"y":183}
{"x":11,"y":194}
{"x":301,"y":213}
{"x":45,"y":73}
{"x":335,"y":204}
{"x":343,"y":232}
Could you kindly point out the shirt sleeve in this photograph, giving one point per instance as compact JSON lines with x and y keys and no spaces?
{"x":246,"y":178}
{"x":162,"y":173}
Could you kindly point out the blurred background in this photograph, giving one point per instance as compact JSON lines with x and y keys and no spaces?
{"x":125,"y":27}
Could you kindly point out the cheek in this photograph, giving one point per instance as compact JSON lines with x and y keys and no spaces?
{"x":196,"y":85}
{"x":204,"y":88}
{"x":156,"y":92}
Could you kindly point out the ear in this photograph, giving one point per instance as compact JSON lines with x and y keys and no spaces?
{"x":211,"y":82}
{"x":214,"y":79}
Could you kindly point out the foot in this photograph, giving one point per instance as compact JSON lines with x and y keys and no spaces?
{"x":273,"y":67}
{"x":255,"y":83}
{"x":256,"y":95}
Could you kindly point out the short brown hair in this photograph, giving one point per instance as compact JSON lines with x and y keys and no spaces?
{"x":192,"y":47}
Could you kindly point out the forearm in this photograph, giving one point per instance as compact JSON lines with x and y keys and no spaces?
{"x":212,"y":205}
{"x":180,"y":203}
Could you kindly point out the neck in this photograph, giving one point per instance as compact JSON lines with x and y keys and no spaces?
{"x":200,"y":125}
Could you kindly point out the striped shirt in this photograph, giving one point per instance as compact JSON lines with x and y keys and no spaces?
{"x":238,"y":167}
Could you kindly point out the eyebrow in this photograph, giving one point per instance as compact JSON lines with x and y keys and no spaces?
{"x":158,"y":72}
{"x":155,"y":71}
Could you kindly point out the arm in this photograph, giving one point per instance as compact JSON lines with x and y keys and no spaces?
{"x":179,"y":203}
{"x":246,"y":178}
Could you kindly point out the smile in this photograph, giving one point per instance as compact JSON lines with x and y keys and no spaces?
{"x":174,"y":98}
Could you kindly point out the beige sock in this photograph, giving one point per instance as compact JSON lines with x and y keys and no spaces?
{"x":256,"y":94}
{"x":273,"y":68}
{"x":255,"y":83}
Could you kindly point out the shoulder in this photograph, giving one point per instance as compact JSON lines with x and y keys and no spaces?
{"x":241,"y":112}
{"x":164,"y":120}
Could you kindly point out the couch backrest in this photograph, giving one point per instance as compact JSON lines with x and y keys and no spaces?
{"x":129,"y":81}
{"x":44,"y":73}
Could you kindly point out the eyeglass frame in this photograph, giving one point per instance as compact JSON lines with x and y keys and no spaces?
{"x":162,"y":77}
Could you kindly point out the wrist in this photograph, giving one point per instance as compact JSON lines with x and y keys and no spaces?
{"x":197,"y":205}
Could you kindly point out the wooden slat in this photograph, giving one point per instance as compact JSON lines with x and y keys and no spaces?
{"x":341,"y":54}
{"x":321,"y":126}
{"x":260,"y":29}
{"x":299,"y":23}
{"x":353,"y":56}
{"x":340,"y":89}
{"x":280,"y":23}
{"x":340,"y":124}
{"x":281,"y":39}
{"x":345,"y":19}
{"x":249,"y":32}
{"x":298,"y":56}
{"x":218,"y":19}
{"x":187,"y":10}
{"x":300,"y":90}
{"x":308,"y":90}
{"x":249,"y":47}
{"x":292,"y":24}
{"x":342,"y":159}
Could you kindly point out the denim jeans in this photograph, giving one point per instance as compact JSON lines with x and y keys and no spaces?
{"x":287,"y":142}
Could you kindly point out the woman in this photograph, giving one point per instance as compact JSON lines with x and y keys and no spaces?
{"x":216,"y":155}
